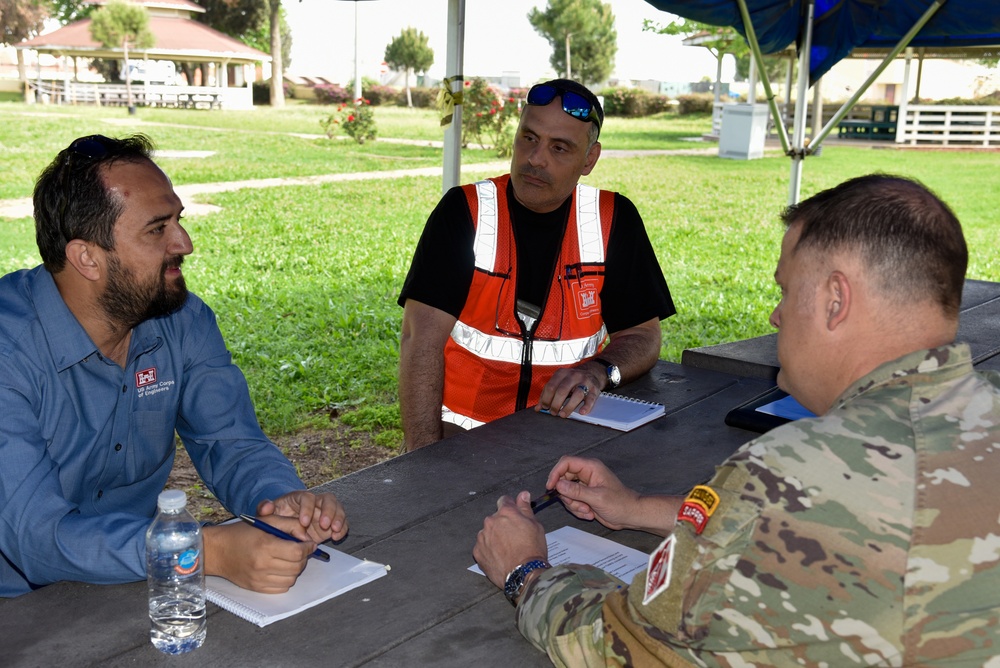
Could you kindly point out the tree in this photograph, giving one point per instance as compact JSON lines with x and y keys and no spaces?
{"x":583,"y":37}
{"x":247,"y":21}
{"x":277,"y":69}
{"x":407,"y":52}
{"x":121,"y":23}
{"x":20,"y":20}
{"x":719,"y":41}
{"x":67,"y":11}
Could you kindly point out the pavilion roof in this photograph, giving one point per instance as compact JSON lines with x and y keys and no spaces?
{"x":177,"y":38}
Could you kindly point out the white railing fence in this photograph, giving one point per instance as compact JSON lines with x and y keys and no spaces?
{"x":953,"y":125}
{"x":924,"y":124}
{"x":104,"y":94}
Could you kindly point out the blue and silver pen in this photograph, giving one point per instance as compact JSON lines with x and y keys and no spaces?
{"x":544,"y":501}
{"x":267,"y":528}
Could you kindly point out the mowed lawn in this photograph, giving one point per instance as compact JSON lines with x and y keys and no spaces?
{"x":304,"y":279}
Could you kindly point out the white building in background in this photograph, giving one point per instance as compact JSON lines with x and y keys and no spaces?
{"x":939,"y":80}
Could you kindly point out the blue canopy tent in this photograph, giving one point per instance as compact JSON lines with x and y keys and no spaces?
{"x":826,"y":31}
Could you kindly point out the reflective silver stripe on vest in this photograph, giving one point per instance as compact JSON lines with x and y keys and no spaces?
{"x":463,"y":421}
{"x":588,"y":224}
{"x":485,"y":244}
{"x":543,"y":353}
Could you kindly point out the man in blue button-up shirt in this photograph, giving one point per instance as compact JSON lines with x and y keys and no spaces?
{"x":103,"y":356}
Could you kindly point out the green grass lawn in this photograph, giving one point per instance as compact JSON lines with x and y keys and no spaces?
{"x":304,"y":279}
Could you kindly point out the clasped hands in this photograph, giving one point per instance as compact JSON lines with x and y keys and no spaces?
{"x":587,"y":488}
{"x":258,"y":561}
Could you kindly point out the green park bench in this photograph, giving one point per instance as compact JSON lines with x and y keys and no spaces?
{"x":880,"y":125}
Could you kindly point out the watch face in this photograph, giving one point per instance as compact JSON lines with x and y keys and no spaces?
{"x":614,"y":375}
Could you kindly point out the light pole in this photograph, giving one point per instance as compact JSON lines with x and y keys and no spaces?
{"x":357,"y":67}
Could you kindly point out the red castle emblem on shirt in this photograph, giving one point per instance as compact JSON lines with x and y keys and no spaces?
{"x":145,"y":377}
{"x":585,"y":297}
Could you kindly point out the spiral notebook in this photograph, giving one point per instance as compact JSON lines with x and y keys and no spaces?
{"x":622,"y":413}
{"x":319,"y":582}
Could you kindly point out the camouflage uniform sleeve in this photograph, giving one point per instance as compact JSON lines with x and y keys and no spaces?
{"x":560,"y":614}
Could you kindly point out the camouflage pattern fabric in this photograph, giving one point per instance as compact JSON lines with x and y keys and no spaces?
{"x":869,"y":536}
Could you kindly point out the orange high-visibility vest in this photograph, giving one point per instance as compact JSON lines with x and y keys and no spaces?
{"x":494,"y":362}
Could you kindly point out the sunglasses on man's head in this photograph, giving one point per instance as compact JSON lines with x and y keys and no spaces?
{"x":573,"y":104}
{"x":92,"y":146}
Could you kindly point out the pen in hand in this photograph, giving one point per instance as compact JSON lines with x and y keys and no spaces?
{"x":267,"y":528}
{"x":544,"y":501}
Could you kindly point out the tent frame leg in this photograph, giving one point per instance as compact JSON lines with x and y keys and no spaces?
{"x":798,"y":151}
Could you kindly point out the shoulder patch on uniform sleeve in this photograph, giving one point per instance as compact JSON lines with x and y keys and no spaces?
{"x":698,"y":507}
{"x":659,"y":570}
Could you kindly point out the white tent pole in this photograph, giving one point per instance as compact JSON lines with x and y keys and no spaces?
{"x":799,"y":132}
{"x":905,"y":102}
{"x":789,"y":73}
{"x":357,"y":67}
{"x":902,"y":44}
{"x":768,"y":93}
{"x":453,"y":72}
{"x":817,"y":108}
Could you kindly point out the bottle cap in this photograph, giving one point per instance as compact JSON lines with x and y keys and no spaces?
{"x":171,"y":499}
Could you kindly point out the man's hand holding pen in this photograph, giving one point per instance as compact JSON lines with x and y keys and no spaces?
{"x":509,"y":537}
{"x":255,"y":560}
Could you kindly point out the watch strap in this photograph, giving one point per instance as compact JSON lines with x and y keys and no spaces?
{"x":607,"y":370}
{"x":514,"y":583}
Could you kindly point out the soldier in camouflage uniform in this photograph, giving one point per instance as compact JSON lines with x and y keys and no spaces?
{"x":867,"y":536}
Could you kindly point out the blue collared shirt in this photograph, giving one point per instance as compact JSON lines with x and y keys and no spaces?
{"x":86,"y":446}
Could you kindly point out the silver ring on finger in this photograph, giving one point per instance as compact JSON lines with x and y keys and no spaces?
{"x":584,"y":389}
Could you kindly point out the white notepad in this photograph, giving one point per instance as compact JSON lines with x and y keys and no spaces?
{"x":318,"y":582}
{"x":618,"y":412}
{"x":569,"y":545}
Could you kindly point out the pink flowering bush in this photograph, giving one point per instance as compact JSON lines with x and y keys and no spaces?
{"x":357,"y":121}
{"x":487,"y":116}
{"x":331,"y":94}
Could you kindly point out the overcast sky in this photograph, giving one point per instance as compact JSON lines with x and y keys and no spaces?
{"x":498,"y":39}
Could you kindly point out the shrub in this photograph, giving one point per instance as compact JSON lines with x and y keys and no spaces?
{"x":262,"y":91}
{"x":378,"y":94}
{"x":695,"y":103}
{"x":992,"y":99}
{"x":357,"y":121}
{"x":486,"y":116}
{"x":422,"y":97}
{"x":633,"y":102}
{"x":331,"y":94}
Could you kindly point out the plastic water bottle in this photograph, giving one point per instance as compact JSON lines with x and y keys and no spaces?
{"x":175,"y":576}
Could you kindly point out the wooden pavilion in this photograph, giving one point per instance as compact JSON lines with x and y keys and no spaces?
{"x":231,"y":65}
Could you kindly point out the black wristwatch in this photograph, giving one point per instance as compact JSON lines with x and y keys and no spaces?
{"x":614,"y":373}
{"x":514,"y":583}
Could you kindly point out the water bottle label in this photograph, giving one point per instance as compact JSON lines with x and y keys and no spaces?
{"x":187,"y":562}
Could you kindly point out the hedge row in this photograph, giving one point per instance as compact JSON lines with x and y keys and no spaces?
{"x":377,"y":95}
{"x":628,"y":102}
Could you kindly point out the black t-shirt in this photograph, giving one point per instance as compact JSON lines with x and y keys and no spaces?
{"x":441,"y":272}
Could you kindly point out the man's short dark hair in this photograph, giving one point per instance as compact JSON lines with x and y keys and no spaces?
{"x":908,"y":238}
{"x":71,"y":200}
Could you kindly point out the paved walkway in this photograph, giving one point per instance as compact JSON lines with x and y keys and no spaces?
{"x":22,"y":207}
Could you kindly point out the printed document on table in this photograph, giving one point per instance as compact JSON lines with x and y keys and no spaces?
{"x":570,"y":545}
